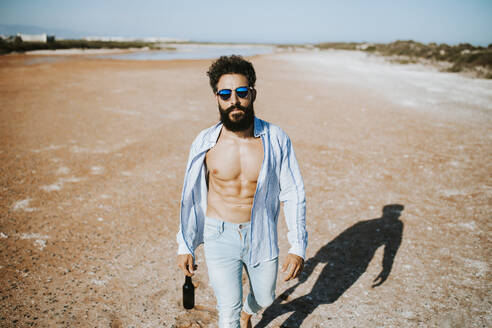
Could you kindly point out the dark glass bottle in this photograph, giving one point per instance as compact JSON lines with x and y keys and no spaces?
{"x":188,"y":294}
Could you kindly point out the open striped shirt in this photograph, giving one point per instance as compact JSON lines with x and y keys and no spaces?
{"x":279,"y":181}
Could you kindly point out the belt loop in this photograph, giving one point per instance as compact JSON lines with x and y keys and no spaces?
{"x":221,"y":227}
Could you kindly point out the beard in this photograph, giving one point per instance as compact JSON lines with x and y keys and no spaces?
{"x":242,"y":124}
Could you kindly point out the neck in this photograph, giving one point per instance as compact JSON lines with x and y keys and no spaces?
{"x":248,"y":133}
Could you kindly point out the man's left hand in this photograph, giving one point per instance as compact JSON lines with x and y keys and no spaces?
{"x":293,"y":265}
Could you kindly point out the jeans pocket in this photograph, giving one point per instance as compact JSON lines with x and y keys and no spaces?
{"x":210,"y":232}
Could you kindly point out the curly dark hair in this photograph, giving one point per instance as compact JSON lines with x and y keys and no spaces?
{"x":233,"y":64}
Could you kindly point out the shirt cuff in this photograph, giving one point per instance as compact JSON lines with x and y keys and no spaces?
{"x":298,"y":250}
{"x":183,"y":249}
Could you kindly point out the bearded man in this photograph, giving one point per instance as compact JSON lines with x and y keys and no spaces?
{"x":238,"y":173}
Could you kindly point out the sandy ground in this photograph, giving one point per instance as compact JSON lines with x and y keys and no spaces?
{"x":92,"y":159}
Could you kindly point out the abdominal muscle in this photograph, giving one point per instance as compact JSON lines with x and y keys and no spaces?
{"x":230,"y":201}
{"x":233,"y":168}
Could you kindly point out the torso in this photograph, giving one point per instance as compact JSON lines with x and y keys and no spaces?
{"x":233,"y":166}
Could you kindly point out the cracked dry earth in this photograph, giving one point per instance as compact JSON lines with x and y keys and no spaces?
{"x":93,"y":153}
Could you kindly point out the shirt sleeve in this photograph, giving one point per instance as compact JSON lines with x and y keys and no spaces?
{"x":293,"y":197}
{"x":182,"y":246}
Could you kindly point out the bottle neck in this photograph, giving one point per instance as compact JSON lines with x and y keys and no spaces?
{"x":188,"y":280}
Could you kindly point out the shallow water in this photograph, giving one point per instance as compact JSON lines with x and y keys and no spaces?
{"x":194,"y":51}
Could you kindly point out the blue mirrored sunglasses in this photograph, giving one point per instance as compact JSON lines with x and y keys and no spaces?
{"x":241,"y":92}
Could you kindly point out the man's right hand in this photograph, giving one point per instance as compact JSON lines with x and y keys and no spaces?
{"x":185,"y":262}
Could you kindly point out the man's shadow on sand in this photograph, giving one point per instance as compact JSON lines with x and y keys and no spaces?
{"x":346,"y":258}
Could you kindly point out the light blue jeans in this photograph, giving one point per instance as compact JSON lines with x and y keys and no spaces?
{"x":226,"y":252}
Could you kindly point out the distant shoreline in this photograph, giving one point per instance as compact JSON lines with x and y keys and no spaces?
{"x":81,"y":51}
{"x":464,"y":58}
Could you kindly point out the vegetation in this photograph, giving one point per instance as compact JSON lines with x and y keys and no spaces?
{"x":338,"y":45}
{"x":17,"y":45}
{"x":461,"y":57}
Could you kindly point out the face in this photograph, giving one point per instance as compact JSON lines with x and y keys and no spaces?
{"x":236,"y":113}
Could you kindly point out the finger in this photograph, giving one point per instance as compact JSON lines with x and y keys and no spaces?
{"x":297,"y":271}
{"x":188,"y":272}
{"x":190,"y":266}
{"x":184,"y":265}
{"x":184,"y":268}
{"x":189,"y":269}
{"x":301,"y":267}
{"x":290,"y":274}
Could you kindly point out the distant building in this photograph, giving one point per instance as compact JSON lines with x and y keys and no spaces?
{"x":33,"y":37}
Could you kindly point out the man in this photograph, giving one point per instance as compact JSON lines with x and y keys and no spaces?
{"x":238,"y":172}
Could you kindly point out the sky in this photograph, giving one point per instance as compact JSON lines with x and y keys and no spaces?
{"x":287,"y":21}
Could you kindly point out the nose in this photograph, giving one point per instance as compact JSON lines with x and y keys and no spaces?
{"x":234,"y":98}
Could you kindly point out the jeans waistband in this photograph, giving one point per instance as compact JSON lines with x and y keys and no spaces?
{"x":226,"y":225}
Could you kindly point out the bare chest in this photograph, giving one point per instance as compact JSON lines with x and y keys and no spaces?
{"x":232,"y":160}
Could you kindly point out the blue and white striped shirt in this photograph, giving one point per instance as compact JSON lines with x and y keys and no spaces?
{"x":279,"y":180}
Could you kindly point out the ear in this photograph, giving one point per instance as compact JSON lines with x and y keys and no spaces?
{"x":253,"y":94}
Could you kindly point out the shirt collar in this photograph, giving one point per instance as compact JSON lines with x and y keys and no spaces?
{"x":259,"y":129}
